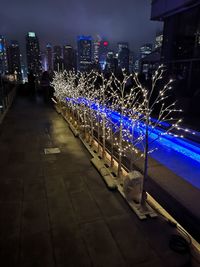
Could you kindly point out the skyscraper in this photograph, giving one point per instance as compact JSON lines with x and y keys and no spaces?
{"x":84,"y":44}
{"x":57,"y":59}
{"x":96,"y":49}
{"x":131,"y":61}
{"x":14,"y":59}
{"x":3,"y":55}
{"x":103,"y":51}
{"x":111,"y":62}
{"x":69,"y":57}
{"x":49,"y":57}
{"x":33,"y":54}
{"x":95,"y":54}
{"x":145,"y":50}
{"x":123,"y":55}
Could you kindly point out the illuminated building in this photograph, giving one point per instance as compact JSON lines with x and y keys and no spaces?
{"x":123,"y":55}
{"x":3,"y":55}
{"x":33,"y":54}
{"x":131,"y":61}
{"x":84,"y":44}
{"x":96,"y":47}
{"x":111,"y":62}
{"x":69,"y":57}
{"x":14,"y":59}
{"x":103,"y":51}
{"x":58,"y":60}
{"x":49,"y":57}
{"x":145,"y":50}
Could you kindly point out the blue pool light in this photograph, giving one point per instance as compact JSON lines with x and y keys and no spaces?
{"x":180,"y":145}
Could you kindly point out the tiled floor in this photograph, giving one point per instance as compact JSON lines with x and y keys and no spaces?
{"x":55,"y":210}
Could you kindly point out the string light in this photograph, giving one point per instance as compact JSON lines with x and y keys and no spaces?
{"x":123,"y":116}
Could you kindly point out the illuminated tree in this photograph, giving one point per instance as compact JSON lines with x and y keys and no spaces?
{"x":125,"y":103}
{"x":156,"y":110}
{"x":124,"y":115}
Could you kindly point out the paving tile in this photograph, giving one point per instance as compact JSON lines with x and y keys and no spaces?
{"x":10,"y":214}
{"x":9,"y":251}
{"x":85,"y":207}
{"x":16,"y":156}
{"x":61,"y":212}
{"x":55,"y":186}
{"x":12,"y":170}
{"x":35,"y":217}
{"x":34,"y":190}
{"x":108,"y":203}
{"x":74,"y":181}
{"x":4,"y":154}
{"x":70,"y":250}
{"x":11,"y":189}
{"x":93,"y":179}
{"x":52,"y":167}
{"x":154,"y":263}
{"x":37,"y":251}
{"x":103,"y":249}
{"x":131,"y":240}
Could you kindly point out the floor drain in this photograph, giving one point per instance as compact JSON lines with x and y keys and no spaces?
{"x":52,"y":150}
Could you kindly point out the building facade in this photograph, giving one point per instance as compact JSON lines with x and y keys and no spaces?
{"x":14,"y":60}
{"x":123,"y":55}
{"x":84,"y":58}
{"x":49,"y":57}
{"x":69,"y":57}
{"x":3,"y":55}
{"x":145,"y":50}
{"x":58,"y":64}
{"x":181,"y":42}
{"x":111,"y":62}
{"x":33,"y":54}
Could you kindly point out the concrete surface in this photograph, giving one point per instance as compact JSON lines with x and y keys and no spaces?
{"x":55,"y":210}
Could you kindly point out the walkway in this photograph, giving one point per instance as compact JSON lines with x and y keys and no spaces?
{"x":56,"y":211}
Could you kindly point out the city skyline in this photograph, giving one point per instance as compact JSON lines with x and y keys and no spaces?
{"x":61,"y":22}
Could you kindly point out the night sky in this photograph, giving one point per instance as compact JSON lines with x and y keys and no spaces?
{"x":60,"y":21}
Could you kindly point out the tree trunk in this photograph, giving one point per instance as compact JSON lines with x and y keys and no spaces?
{"x":120,"y":150}
{"x":143,"y":184}
{"x":104,"y":137}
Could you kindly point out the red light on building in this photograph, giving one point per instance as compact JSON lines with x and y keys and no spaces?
{"x":105,"y":43}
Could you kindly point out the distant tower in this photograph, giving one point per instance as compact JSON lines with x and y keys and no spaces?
{"x":49,"y":57}
{"x":14,"y":59}
{"x":84,"y":44}
{"x":111,"y":62}
{"x":33,"y":54}
{"x":58,"y":60}
{"x":3,"y":55}
{"x":69,"y":57}
{"x":131,"y":61}
{"x":95,"y":50}
{"x":43,"y":60}
{"x":145,"y":50}
{"x":123,"y":56}
{"x":103,"y":51}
